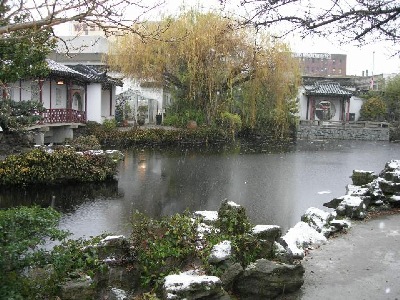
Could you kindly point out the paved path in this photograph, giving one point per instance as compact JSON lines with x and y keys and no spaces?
{"x":362,"y":264}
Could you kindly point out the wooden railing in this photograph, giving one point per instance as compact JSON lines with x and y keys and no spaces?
{"x":63,"y":116}
{"x":342,"y":124}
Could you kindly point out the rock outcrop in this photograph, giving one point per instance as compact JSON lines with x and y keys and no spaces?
{"x":265,"y":279}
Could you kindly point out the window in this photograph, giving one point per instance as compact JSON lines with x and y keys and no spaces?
{"x":58,"y":95}
{"x":340,"y":71}
{"x":35,"y":91}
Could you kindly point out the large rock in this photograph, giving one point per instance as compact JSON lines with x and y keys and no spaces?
{"x":352,"y":207}
{"x":376,"y":194}
{"x":189,"y":285}
{"x":113,"y":247}
{"x":230,"y":274}
{"x":220,"y":252}
{"x":360,"y":177}
{"x":117,"y":294}
{"x":319,"y":220}
{"x":267,"y":235}
{"x":82,"y":288}
{"x":390,"y":178}
{"x":266,"y":279}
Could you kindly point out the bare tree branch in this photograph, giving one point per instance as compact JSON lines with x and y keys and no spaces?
{"x":347,"y":20}
{"x":110,"y":15}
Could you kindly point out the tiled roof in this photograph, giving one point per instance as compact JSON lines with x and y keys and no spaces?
{"x":62,"y":70}
{"x":81,"y":72}
{"x":95,"y":76}
{"x":328,"y":89}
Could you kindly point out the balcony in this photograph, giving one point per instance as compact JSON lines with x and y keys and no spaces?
{"x":63,"y":116}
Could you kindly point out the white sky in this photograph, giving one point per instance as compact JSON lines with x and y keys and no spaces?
{"x":376,"y":58}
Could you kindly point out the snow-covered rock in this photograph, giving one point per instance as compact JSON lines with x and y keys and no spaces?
{"x":318,"y":219}
{"x":352,"y":207}
{"x":117,"y":294}
{"x":207,"y":216}
{"x":220,"y":252}
{"x":341,"y":224}
{"x":361,"y":177}
{"x":265,"y":279}
{"x":191,"y":286}
{"x":355,"y":190}
{"x":267,"y":232}
{"x":301,"y":237}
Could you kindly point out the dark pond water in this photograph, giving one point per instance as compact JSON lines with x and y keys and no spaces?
{"x":276,"y":186}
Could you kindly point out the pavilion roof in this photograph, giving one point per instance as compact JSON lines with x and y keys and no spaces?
{"x":328,"y":88}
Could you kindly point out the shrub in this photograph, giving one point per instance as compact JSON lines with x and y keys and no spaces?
{"x":373,"y":109}
{"x":15,"y":116}
{"x":22,"y":231}
{"x":181,"y":119}
{"x":162,"y":246}
{"x":109,"y":124}
{"x":60,"y":166}
{"x":83,"y":143}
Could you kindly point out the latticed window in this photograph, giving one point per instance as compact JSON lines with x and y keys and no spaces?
{"x":35,"y":92}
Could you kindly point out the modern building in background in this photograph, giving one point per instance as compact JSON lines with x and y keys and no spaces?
{"x":322,"y":64}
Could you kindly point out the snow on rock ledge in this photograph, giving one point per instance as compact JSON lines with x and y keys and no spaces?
{"x":352,"y":207}
{"x":191,"y":286}
{"x":207,"y":216}
{"x":220,"y":252}
{"x":267,"y":232}
{"x":301,"y":237}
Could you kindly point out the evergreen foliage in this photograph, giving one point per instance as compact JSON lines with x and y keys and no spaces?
{"x":60,"y":166}
{"x":392,"y":98}
{"x":373,"y":109}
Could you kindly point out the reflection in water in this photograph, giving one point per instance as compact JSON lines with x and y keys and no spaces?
{"x":275,"y":185}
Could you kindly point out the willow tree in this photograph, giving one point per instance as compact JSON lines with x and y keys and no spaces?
{"x":211,"y":65}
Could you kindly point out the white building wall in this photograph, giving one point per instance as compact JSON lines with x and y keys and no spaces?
{"x":355,"y":106}
{"x":94,"y":102}
{"x":105,"y":105}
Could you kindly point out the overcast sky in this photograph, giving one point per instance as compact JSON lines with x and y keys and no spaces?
{"x":377,"y":58}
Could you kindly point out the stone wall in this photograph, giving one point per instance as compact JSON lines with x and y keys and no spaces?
{"x":341,"y":133}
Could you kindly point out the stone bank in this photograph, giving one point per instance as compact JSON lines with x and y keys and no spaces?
{"x":367,"y":131}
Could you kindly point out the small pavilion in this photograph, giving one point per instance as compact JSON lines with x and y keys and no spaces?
{"x":328,"y":101}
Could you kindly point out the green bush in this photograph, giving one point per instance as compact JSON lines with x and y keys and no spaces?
{"x":373,"y":109}
{"x":28,"y":270}
{"x":60,"y":166}
{"x":162,"y":246}
{"x":181,"y":119}
{"x":148,"y":137}
{"x":22,"y":231}
{"x":109,"y":124}
{"x":15,"y":116}
{"x":83,"y":143}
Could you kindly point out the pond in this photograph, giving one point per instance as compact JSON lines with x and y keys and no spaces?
{"x":275,"y":185}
